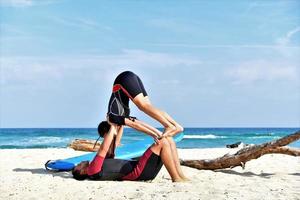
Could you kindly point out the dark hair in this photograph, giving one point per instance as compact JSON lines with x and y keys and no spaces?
{"x":78,"y":176}
{"x":103,"y":128}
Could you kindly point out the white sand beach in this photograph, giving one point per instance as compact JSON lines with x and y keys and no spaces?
{"x":22,"y":176}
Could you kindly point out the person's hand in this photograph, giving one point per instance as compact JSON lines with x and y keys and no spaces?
{"x":160,"y":137}
{"x":165,"y":135}
{"x":156,"y":139}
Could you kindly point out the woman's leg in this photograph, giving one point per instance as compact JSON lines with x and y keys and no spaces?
{"x":179,"y":128}
{"x":149,"y":127}
{"x":141,"y":127}
{"x":144,"y":105}
{"x":164,"y":150}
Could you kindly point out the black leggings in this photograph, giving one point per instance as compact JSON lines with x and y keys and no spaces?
{"x":131,"y":84}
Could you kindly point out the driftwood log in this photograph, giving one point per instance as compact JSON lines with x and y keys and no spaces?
{"x":247,"y":153}
{"x":227,"y":161}
{"x":84,"y":145}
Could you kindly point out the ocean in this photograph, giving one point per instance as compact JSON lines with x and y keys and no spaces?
{"x":19,"y":138}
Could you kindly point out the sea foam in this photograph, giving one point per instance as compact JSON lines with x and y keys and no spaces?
{"x":209,"y":136}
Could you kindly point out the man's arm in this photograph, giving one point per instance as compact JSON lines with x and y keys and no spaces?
{"x":96,"y":165}
{"x":119,"y":135}
{"x":107,"y":140}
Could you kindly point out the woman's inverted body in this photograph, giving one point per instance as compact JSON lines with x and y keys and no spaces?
{"x":128,"y":85}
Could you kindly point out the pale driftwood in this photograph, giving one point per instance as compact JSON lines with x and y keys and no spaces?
{"x":84,"y":145}
{"x":246,"y":154}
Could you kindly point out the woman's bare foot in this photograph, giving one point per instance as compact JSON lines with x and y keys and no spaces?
{"x":169,"y":131}
{"x":174,"y":130}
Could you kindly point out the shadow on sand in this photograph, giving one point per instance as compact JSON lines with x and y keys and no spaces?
{"x":250,"y":174}
{"x":44,"y":172}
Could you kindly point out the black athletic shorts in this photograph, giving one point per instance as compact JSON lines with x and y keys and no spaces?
{"x":147,"y":167}
{"x":126,"y":86}
{"x":130,"y":84}
{"x":114,"y":169}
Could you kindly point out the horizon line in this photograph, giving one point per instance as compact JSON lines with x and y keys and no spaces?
{"x":154,"y":127}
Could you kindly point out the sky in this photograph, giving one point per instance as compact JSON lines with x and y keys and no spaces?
{"x":206,"y":63}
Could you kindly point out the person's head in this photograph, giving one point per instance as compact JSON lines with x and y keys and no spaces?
{"x":103,"y":128}
{"x":80,"y":171}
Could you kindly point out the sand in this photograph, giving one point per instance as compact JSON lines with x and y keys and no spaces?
{"x":22,"y":176}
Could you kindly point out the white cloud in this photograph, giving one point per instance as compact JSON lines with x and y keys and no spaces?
{"x":250,"y":46}
{"x":285,"y":40}
{"x":19,"y":71}
{"x":251,"y":72}
{"x":25,"y":3}
{"x":33,"y":70}
{"x":81,"y":23}
{"x":171,"y":25}
{"x":16,"y":3}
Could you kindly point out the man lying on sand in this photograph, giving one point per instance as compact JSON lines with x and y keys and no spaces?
{"x":146,"y":168}
{"x":127,"y":86}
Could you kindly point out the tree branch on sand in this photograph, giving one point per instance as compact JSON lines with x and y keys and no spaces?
{"x":84,"y":145}
{"x":246,"y":154}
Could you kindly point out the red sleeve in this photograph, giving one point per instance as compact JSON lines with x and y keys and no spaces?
{"x":95,"y":166}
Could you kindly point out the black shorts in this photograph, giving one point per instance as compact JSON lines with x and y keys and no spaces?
{"x":114,"y":169}
{"x":147,"y":167}
{"x":119,"y":120}
{"x":130,"y":84}
{"x":126,"y":86}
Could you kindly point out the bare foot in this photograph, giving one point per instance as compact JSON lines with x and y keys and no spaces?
{"x":174,"y":131}
{"x":169,"y":131}
{"x":179,"y":128}
{"x":186,"y":179}
{"x":178,"y":180}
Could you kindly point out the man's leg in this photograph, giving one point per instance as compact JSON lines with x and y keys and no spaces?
{"x":145,"y":106}
{"x":164,"y":150}
{"x":176,"y":157}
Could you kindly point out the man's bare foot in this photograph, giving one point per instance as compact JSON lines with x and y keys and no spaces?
{"x":178,"y":180}
{"x":185,"y":179}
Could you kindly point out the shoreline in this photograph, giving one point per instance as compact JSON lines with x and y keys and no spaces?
{"x":275,"y":176}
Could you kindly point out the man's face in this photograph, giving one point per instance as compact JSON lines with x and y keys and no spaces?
{"x":82,"y":167}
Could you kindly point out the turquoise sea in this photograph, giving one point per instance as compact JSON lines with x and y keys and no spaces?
{"x":18,"y":138}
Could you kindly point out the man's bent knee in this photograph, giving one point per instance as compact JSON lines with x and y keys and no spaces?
{"x":164,"y":142}
{"x":170,"y":140}
{"x":156,"y":148}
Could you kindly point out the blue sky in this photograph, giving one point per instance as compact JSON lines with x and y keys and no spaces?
{"x":207,"y":63}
